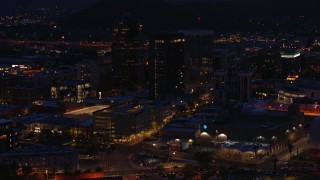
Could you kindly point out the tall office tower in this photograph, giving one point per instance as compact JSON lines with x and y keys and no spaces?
{"x":232,"y":78}
{"x":166,"y":58}
{"x":199,"y":46}
{"x":128,"y":53}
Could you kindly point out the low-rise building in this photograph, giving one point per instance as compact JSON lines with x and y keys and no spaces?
{"x":44,"y":158}
{"x":123,"y":122}
{"x":9,"y":135}
{"x":276,"y":128}
{"x":291,"y":91}
{"x":38,"y":122}
{"x":183,"y":128}
{"x":314,"y":133}
{"x":71,"y":91}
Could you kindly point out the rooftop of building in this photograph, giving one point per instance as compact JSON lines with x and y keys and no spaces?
{"x":48,"y":102}
{"x":48,"y":119}
{"x":254,"y":124}
{"x":185,"y":123}
{"x":28,"y":87}
{"x":290,"y":54}
{"x":38,"y":150}
{"x":124,"y":108}
{"x":87,"y":110}
{"x":222,"y":52}
{"x":269,"y":113}
{"x":56,"y":71}
{"x":71,"y":83}
{"x":159,"y":103}
{"x":196,"y":32}
{"x":17,"y":60}
{"x":5,"y":121}
{"x":245,"y":146}
{"x":7,"y":107}
{"x":132,"y":108}
{"x":7,"y":76}
{"x":166,"y":35}
{"x":299,"y":83}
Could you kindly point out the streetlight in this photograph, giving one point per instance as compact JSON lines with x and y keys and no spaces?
{"x":173,"y":153}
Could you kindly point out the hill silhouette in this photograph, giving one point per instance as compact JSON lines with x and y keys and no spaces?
{"x":159,"y":15}
{"x":155,"y":14}
{"x":74,"y":4}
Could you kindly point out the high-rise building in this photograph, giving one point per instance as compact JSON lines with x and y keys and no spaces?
{"x":166,"y":59}
{"x":128,"y":53}
{"x":199,"y":71}
{"x":232,"y":78}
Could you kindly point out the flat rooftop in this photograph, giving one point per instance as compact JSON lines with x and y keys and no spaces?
{"x":254,"y":124}
{"x":5,"y":121}
{"x":245,"y":146}
{"x":300,"y":83}
{"x":48,"y":119}
{"x":126,"y":108}
{"x":38,"y":150}
{"x":84,"y":113}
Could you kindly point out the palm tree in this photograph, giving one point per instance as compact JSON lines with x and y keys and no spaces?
{"x":290,"y":148}
{"x":274,"y":161}
{"x":13,"y":168}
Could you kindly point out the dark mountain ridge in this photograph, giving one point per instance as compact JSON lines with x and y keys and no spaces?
{"x":160,"y":15}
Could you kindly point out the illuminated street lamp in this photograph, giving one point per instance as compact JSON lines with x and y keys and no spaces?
{"x":173,"y":162}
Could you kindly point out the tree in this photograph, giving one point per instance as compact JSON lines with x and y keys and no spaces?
{"x":80,"y":140}
{"x":4,"y":171}
{"x":13,"y":168}
{"x":92,"y":151}
{"x":66,"y":167}
{"x":207,"y":174}
{"x":160,"y":169}
{"x":26,"y":170}
{"x":101,"y":138}
{"x":188,"y":171}
{"x":98,"y":169}
{"x":112,"y":147}
{"x":45,"y":136}
{"x":171,"y":176}
{"x":78,"y":171}
{"x":204,"y":158}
